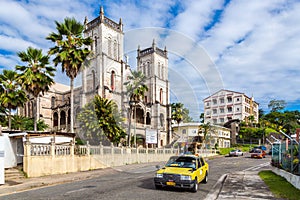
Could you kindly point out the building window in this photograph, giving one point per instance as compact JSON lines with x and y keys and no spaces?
{"x":158,"y":70}
{"x":146,"y":99}
{"x":229,"y":99}
{"x":161,"y":95}
{"x":221,"y":110}
{"x":115,"y":50}
{"x":214,"y":121}
{"x":96,"y":43}
{"x":207,"y":104}
{"x":148,"y":119}
{"x":55,"y":119}
{"x":112,"y":80}
{"x":109,"y":47}
{"x":229,"y":109}
{"x":144,"y":69}
{"x":221,"y":120}
{"x":208,"y":112}
{"x":162,"y":72}
{"x":62,"y":118}
{"x":214,"y":111}
{"x":52,"y":102}
{"x":93,"y":80}
{"x":148,"y":66}
{"x":222,"y":100}
{"x":237,"y":99}
{"x":237,"y":109}
{"x":214,"y":101}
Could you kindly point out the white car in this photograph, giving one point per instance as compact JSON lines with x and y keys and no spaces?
{"x":236,"y":152}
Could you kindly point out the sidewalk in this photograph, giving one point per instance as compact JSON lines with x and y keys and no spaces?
{"x":241,"y":185}
{"x":17,"y":183}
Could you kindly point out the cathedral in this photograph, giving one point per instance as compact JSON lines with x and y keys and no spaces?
{"x":107,"y":72}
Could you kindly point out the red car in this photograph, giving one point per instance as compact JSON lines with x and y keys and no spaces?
{"x":258,"y":153}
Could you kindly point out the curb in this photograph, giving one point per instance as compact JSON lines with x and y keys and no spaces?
{"x":216,"y":189}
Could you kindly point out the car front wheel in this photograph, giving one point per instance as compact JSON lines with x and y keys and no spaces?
{"x":195,"y":186}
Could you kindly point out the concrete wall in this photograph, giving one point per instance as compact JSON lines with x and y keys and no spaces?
{"x":293,"y":179}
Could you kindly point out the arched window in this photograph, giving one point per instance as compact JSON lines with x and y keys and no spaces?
{"x":112,"y":80}
{"x":93,"y":80}
{"x":161,"y":95}
{"x":62,"y":118}
{"x":55,"y":119}
{"x":109,"y":47}
{"x":52,"y":102}
{"x":69,"y":116}
{"x":148,"y":118}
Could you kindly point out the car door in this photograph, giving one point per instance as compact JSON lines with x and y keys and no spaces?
{"x":200,"y":171}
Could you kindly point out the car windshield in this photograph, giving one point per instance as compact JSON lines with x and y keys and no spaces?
{"x":183,"y":162}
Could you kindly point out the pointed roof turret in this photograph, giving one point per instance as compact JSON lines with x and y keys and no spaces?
{"x":101,"y":14}
{"x":154,"y":44}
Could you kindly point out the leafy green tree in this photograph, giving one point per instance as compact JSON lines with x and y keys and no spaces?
{"x":136,"y":89}
{"x":36,"y":77}
{"x":204,"y":128}
{"x":186,"y":117}
{"x":201,"y":118}
{"x":101,"y":117}
{"x":71,"y":51}
{"x":11,"y":96}
{"x":276,"y":105}
{"x":26,"y":123}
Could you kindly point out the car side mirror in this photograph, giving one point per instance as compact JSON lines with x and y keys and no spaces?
{"x":157,"y":167}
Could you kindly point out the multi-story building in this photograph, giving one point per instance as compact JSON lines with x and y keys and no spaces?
{"x":226,"y":105}
{"x":105,"y":76}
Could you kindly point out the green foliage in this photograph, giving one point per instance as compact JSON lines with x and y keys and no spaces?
{"x":101,"y":118}
{"x":251,"y":132}
{"x":180,"y":113}
{"x":11,"y":94}
{"x":279,"y":186}
{"x":35,"y":77}
{"x":135,"y":86}
{"x":225,"y":151}
{"x":276,"y":105}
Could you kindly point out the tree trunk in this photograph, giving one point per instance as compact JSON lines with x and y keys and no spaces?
{"x":35,"y":115}
{"x":72,"y":105}
{"x":9,"y":119}
{"x":129,"y":127}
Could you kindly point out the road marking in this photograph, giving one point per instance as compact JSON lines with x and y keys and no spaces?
{"x":72,"y":191}
{"x":256,"y":167}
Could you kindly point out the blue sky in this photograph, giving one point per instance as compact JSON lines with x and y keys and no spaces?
{"x":249,"y":46}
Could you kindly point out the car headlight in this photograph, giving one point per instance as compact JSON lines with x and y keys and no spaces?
{"x":185,"y":178}
{"x":159,"y":175}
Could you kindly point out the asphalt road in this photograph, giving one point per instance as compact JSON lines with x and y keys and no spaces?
{"x":137,"y":183}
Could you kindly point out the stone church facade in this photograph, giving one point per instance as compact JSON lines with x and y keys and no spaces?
{"x":106,"y":75}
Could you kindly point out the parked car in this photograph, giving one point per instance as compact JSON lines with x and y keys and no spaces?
{"x":186,"y":171}
{"x":236,"y":152}
{"x":258,"y":153}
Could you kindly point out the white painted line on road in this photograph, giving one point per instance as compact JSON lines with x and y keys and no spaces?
{"x":72,"y":191}
{"x":256,"y":167}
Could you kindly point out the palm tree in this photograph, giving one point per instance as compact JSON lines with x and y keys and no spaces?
{"x":11,"y":96}
{"x":204,"y":128}
{"x":70,"y":51}
{"x":101,"y":117}
{"x":177,"y":114}
{"x":36,"y":77}
{"x":136,"y":90}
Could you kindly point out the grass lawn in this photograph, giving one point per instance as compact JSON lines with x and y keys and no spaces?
{"x":279,"y":186}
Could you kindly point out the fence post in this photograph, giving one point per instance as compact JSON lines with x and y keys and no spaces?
{"x":26,"y":158}
{"x":52,"y":148}
{"x":88,"y":148}
{"x":101,"y":148}
{"x":72,"y":149}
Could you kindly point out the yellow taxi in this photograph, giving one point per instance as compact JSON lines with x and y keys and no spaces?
{"x":185,"y":171}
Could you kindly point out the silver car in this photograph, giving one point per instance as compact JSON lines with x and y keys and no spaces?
{"x":236,"y":152}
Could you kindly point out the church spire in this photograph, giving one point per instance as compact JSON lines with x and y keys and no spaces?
{"x":101,"y":14}
{"x":154,"y":44}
